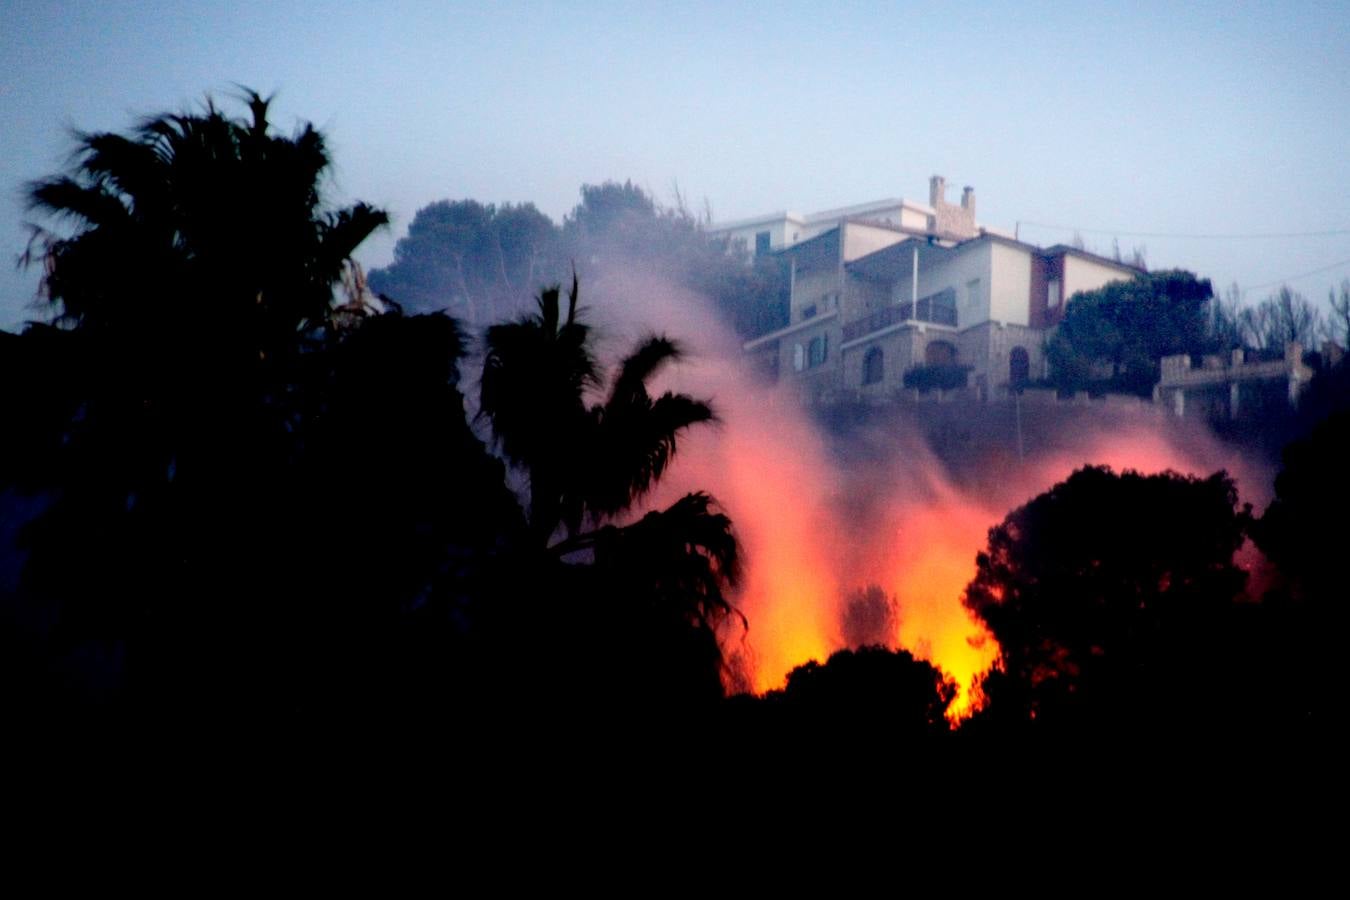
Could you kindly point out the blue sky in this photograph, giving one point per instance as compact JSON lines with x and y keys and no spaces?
{"x":1228,"y":118}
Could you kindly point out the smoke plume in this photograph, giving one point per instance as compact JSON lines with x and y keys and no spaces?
{"x":824,"y":513}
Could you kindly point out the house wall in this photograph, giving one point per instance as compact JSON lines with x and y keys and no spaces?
{"x":780,"y":233}
{"x":900,"y":214}
{"x":811,"y":229}
{"x":973,"y":262}
{"x":988,"y":347}
{"x":903,"y":349}
{"x":1010,"y":280}
{"x":913,"y":218}
{"x":818,"y":286}
{"x":861,"y":239}
{"x":1087,"y":275}
{"x":863,"y":296}
{"x":823,"y":378}
{"x":1044,"y":310}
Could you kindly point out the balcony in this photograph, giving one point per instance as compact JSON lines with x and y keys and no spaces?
{"x":936,"y":309}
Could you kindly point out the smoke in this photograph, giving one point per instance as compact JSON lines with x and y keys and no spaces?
{"x":869,"y":617}
{"x":825,"y":512}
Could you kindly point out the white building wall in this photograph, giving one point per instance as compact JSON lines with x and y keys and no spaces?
{"x":889,"y":215}
{"x":969,"y":264}
{"x":860,"y":240}
{"x":781,"y":232}
{"x":1087,"y":275}
{"x":913,"y":218}
{"x":1010,"y":285}
{"x":811,"y":229}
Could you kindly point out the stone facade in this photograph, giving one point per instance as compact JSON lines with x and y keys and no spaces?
{"x":1216,"y":387}
{"x":949,"y":220}
{"x":870,"y":303}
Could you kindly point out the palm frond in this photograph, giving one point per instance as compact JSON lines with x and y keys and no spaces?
{"x":682,"y":558}
{"x":643,"y":363}
{"x":635,"y":443}
{"x":64,"y":197}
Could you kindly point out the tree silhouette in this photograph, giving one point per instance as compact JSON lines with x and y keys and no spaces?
{"x":478,"y":260}
{"x":1112,"y":598}
{"x":869,"y":617}
{"x":1303,"y":533}
{"x":217,"y":437}
{"x":1115,"y":336}
{"x":1284,"y":316}
{"x":868,"y":697}
{"x":656,"y":588}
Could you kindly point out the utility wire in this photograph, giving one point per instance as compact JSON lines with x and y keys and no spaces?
{"x":1168,"y":234}
{"x":1224,"y":237}
{"x":1257,"y":287}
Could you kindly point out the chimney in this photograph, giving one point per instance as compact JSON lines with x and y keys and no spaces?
{"x":968,"y":200}
{"x":937,"y":191}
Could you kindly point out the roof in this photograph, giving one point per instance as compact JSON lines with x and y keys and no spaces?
{"x":826,"y":215}
{"x":756,"y":343}
{"x":897,"y":259}
{"x":860,"y":209}
{"x":876,"y":263}
{"x":782,"y":215}
{"x":813,"y":240}
{"x":1066,"y":250}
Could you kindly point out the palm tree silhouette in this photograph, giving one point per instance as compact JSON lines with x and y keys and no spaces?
{"x":668,"y":574}
{"x":193,"y":367}
{"x":189,"y":212}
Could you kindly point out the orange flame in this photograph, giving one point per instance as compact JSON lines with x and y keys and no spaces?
{"x":813,"y":528}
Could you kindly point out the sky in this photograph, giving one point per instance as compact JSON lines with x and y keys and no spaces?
{"x":1144,"y":123}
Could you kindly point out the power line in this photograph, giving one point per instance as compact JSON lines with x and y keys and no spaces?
{"x":1257,"y":287}
{"x":1173,"y":234}
{"x":1216,"y":236}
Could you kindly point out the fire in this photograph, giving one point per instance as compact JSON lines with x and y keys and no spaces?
{"x":930,"y":565}
{"x":814,"y":527}
{"x":788,"y":581}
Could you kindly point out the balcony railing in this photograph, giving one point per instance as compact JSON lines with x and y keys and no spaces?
{"x":938,"y":309}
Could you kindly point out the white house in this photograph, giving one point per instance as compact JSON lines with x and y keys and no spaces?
{"x":871,"y":300}
{"x":777,"y":230}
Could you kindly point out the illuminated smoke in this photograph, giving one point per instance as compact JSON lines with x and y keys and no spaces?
{"x":818,"y":527}
{"x":869,"y":617}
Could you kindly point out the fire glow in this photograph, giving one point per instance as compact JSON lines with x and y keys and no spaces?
{"x":814,"y":528}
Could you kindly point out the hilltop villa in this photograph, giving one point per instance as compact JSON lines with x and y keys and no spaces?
{"x":880,"y":288}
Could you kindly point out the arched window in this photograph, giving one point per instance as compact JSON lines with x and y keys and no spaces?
{"x":939,"y":353}
{"x":874,"y":366}
{"x":817,"y":351}
{"x":1019,"y":367}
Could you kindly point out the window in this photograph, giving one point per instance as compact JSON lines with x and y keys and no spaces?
{"x":809,"y":312}
{"x":798,"y":358}
{"x":874,"y":366}
{"x":1052,"y":293}
{"x":817,"y":351}
{"x":761,"y":243}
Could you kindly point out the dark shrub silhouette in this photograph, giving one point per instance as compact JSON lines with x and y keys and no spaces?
{"x":252,"y":490}
{"x":1113,"y":600}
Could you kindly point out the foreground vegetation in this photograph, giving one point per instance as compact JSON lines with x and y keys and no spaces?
{"x":233,"y":497}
